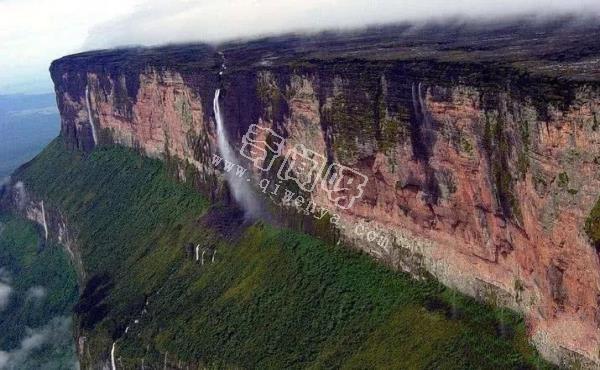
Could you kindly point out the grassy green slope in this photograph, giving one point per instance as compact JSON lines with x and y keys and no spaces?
{"x":43,"y":292}
{"x":273,"y":298}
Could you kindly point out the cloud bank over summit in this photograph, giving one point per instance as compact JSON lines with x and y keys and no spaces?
{"x":30,"y":40}
{"x":166,"y":21}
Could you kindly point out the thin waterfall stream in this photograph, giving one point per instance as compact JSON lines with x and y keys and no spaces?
{"x":242,"y":191}
{"x":90,"y":116}
{"x":112,"y":357}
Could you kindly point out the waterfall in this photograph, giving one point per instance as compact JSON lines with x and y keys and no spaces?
{"x":415,"y":103}
{"x":422,"y":133}
{"x":112,"y":357}
{"x":44,"y":224}
{"x":90,"y":117}
{"x":242,"y":192}
{"x":420,"y":107}
{"x":424,"y":111}
{"x":20,"y":195}
{"x":197,"y":252}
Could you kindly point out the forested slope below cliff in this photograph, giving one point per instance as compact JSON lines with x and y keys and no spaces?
{"x":38,"y":289}
{"x":173,"y":280}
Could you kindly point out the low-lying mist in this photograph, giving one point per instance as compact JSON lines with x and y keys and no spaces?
{"x":156,"y":22}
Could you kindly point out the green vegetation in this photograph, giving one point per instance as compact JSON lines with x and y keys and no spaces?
{"x":360,"y":116}
{"x":393,"y":127}
{"x":563,"y":183}
{"x":273,"y":298}
{"x":43,"y":292}
{"x":281,"y":299}
{"x":592,"y":225}
{"x":563,"y":180}
{"x":496,"y":144}
{"x":352,"y":122}
{"x":269,"y":94}
{"x":466,"y":145}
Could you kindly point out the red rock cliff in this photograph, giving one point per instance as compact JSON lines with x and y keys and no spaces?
{"x":479,"y":173}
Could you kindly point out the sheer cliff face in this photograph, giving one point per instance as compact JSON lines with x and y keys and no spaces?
{"x":52,"y":224}
{"x":479,"y":175}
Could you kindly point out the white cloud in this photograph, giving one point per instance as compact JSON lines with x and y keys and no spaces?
{"x":36,"y":292}
{"x":4,"y":357}
{"x":5,"y":288}
{"x":167,"y":21}
{"x":34,"y":32}
{"x":56,"y":333}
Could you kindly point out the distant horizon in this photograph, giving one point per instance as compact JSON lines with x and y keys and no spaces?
{"x":38,"y":87}
{"x":3,"y":94}
{"x":28,"y":122}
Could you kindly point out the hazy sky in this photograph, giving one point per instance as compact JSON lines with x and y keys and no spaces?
{"x":34,"y":32}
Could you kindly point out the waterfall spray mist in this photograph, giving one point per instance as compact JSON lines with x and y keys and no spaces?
{"x":241,"y":190}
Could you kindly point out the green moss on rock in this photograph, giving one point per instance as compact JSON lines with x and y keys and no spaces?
{"x":563,"y":180}
{"x":394,"y":127}
{"x":352,"y":119}
{"x":496,"y":144}
{"x":363,"y":122}
{"x":269,"y":94}
{"x":592,"y":225}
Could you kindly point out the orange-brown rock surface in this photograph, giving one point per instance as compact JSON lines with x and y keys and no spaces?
{"x":483,"y":184}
